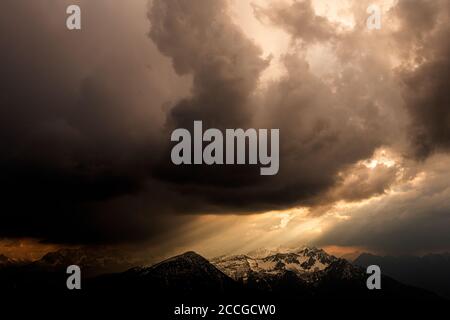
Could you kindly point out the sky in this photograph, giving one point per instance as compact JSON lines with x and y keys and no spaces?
{"x":86,"y":118}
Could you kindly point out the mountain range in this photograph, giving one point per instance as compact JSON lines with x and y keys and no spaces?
{"x":263,"y":275}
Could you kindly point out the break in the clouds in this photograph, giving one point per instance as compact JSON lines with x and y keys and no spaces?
{"x":412,"y":218}
{"x":86,"y":116}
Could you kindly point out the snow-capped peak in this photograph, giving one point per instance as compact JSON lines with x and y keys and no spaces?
{"x":303,"y":260}
{"x":265,"y":252}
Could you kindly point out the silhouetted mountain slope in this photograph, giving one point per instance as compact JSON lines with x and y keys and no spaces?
{"x":431,"y":272}
{"x":185,"y":275}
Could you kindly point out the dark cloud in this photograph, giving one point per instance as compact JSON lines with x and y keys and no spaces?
{"x":316,"y":124}
{"x":80,"y":121}
{"x":202,"y":41}
{"x":429,"y":105}
{"x":422,"y":39}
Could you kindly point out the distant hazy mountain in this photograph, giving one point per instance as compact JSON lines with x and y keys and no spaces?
{"x":431,"y":272}
{"x":5,"y":261}
{"x":93,"y":262}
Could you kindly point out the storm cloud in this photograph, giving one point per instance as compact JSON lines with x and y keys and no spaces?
{"x":86,"y":116}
